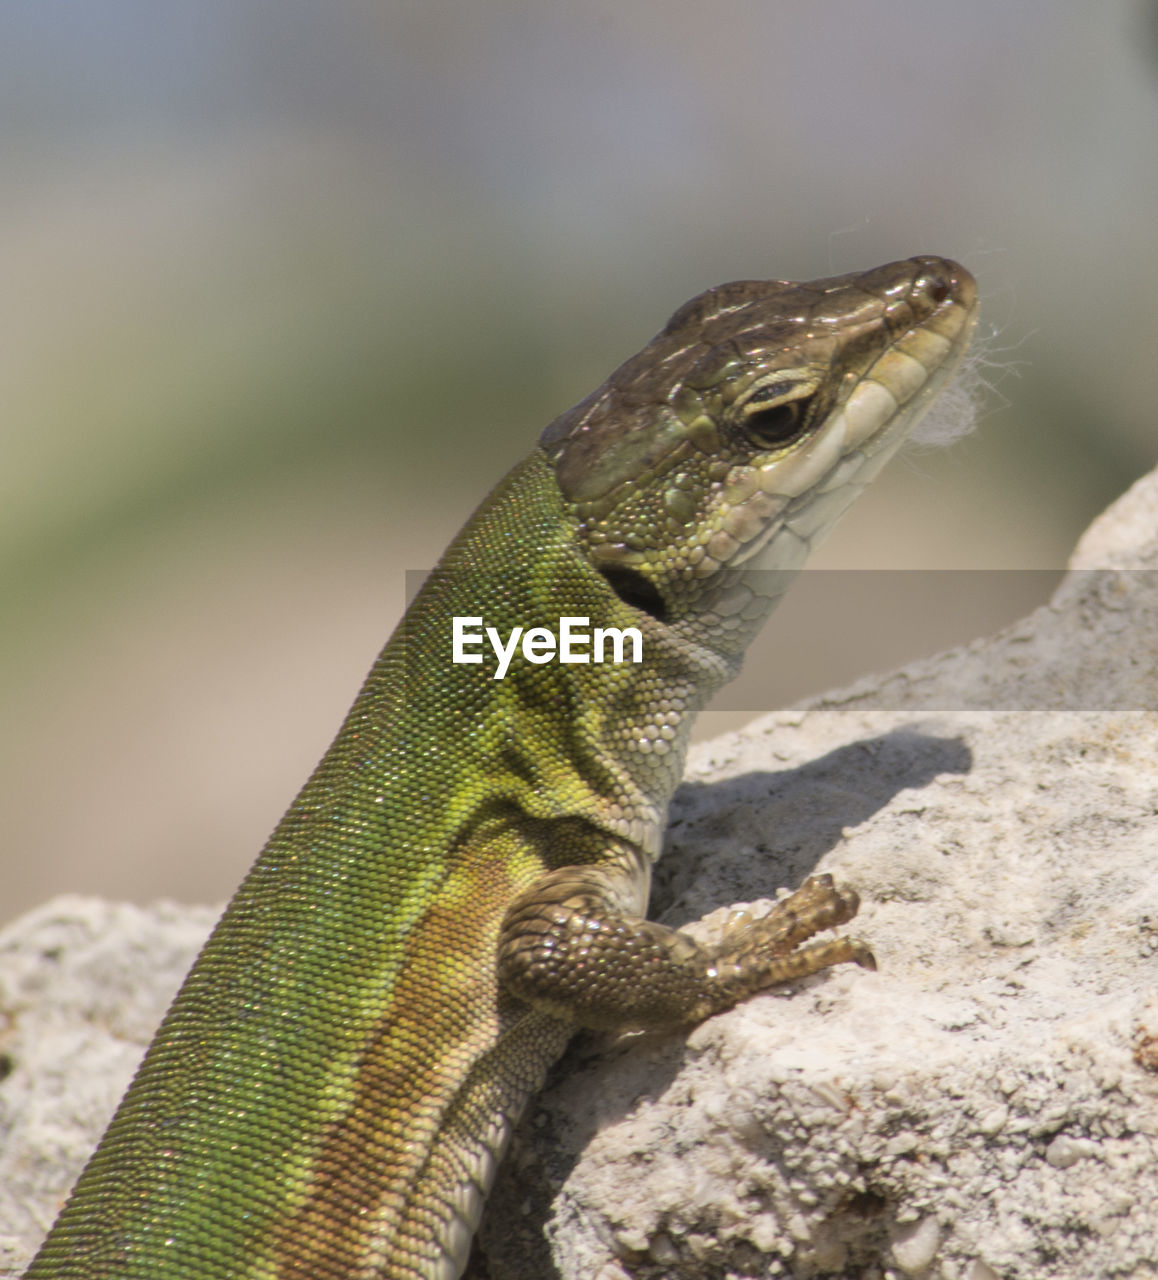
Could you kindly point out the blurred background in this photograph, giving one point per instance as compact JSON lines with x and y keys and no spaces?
{"x":288,"y":286}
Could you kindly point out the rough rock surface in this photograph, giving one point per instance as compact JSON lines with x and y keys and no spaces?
{"x":83,"y":985}
{"x":985,"y":1106}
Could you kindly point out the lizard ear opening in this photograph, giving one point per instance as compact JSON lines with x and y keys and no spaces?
{"x":635,"y":590}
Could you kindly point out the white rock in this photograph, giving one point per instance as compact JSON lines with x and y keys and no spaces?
{"x":988,"y":1101}
{"x":83,"y":985}
{"x":915,"y":1245}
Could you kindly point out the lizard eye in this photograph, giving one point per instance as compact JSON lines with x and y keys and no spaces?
{"x":770,"y":425}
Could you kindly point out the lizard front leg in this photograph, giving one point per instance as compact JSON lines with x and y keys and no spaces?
{"x":569,"y":947}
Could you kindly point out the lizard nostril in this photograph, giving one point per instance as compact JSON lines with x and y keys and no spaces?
{"x":934,"y":285}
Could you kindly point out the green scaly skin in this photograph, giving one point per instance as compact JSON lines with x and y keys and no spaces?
{"x":462,"y":882}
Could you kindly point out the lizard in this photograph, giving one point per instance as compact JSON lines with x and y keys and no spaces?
{"x":462,"y":883}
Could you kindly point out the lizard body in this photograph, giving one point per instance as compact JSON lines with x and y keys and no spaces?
{"x":463,"y":881}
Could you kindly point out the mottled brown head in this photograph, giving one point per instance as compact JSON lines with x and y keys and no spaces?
{"x":704,"y":469}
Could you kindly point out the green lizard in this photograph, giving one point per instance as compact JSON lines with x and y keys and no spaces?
{"x":462,"y":882}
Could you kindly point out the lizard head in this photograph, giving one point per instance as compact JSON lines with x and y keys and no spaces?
{"x":704,"y":469}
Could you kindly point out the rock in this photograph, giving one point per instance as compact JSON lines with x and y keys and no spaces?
{"x":985,"y":1105}
{"x":83,"y":985}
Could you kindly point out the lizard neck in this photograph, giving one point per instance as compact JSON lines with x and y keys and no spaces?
{"x":602,"y":741}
